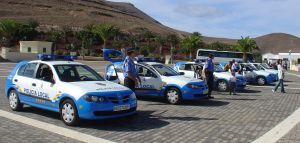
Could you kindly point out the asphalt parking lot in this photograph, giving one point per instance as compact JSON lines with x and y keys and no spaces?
{"x":226,"y":118}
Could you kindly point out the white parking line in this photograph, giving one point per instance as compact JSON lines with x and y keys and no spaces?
{"x":297,"y":75}
{"x":271,"y":87}
{"x":53,"y":128}
{"x":281,"y":129}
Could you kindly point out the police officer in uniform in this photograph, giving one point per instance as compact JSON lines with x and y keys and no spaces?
{"x":129,"y":70}
{"x":209,"y":74}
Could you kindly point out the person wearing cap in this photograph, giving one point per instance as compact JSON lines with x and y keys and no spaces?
{"x":209,"y":74}
{"x":129,"y":70}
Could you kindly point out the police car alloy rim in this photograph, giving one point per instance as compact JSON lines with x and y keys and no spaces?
{"x":68,"y":112}
{"x":222,"y":86}
{"x":13,"y":100}
{"x":173,"y":96}
{"x":261,"y":81}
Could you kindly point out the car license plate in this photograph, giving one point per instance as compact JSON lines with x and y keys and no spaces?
{"x":121,"y":107}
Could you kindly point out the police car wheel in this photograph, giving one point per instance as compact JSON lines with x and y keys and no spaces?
{"x":68,"y":113}
{"x":261,"y":81}
{"x":14,"y":101}
{"x":222,"y":85}
{"x":173,"y":95}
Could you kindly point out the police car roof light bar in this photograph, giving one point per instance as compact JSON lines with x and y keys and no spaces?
{"x":45,"y":57}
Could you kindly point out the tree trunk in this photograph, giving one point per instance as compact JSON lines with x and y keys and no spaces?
{"x":160,"y":50}
{"x":171,"y":54}
{"x":190,"y":56}
{"x":104,"y":44}
{"x":244,"y":57}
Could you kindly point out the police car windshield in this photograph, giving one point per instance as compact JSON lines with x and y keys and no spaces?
{"x":252,"y":67}
{"x":165,"y":70}
{"x":218,"y":68}
{"x":76,"y":73}
{"x":265,"y":66}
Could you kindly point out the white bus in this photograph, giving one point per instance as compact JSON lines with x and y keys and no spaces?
{"x":222,"y":56}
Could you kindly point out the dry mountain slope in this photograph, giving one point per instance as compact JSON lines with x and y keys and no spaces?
{"x":278,"y":43}
{"x":78,"y":13}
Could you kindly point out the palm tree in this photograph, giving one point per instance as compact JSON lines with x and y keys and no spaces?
{"x":87,"y":37}
{"x":246,"y":45}
{"x":54,"y":36}
{"x":148,"y":36}
{"x":173,"y":39}
{"x":104,"y":31}
{"x":27,"y":31}
{"x":160,"y":40}
{"x":66,"y":32}
{"x":188,"y":44}
{"x":8,"y":31}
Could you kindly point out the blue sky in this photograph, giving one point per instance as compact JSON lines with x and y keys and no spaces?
{"x":225,"y":18}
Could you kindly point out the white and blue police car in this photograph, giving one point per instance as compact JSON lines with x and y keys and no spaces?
{"x":267,"y":68}
{"x":159,"y":80}
{"x":221,"y":78}
{"x":70,"y":88}
{"x":256,"y":76}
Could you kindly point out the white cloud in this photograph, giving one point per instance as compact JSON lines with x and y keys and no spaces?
{"x":226,"y":18}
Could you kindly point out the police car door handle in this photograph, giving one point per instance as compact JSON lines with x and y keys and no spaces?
{"x":33,"y":84}
{"x":16,"y":80}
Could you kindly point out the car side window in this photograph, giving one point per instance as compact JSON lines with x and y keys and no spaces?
{"x":29,"y":70}
{"x":188,"y":67}
{"x":145,"y":72}
{"x":44,"y":73}
{"x":182,"y":67}
{"x":21,"y":70}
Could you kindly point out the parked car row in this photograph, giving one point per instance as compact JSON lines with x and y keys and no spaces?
{"x":76,"y":91}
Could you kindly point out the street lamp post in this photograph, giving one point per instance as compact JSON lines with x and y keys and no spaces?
{"x":290,"y":61}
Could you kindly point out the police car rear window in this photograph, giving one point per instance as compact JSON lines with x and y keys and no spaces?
{"x":27,"y":70}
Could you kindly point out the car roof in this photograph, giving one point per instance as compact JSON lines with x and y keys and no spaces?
{"x":58,"y":62}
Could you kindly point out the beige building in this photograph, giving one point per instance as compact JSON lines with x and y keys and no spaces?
{"x":36,"y":47}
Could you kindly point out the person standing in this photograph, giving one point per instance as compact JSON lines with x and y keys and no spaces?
{"x":232,"y":84}
{"x":129,"y":70}
{"x":280,"y":77}
{"x":209,"y":74}
{"x":228,"y":66}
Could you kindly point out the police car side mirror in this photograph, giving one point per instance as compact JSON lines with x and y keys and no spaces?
{"x":52,"y":81}
{"x":181,"y":73}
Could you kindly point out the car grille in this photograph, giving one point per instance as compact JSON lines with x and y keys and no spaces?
{"x":116,"y":100}
{"x":109,"y":113}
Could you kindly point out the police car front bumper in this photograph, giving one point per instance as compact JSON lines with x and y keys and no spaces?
{"x":194,"y":93}
{"x":104,"y":110}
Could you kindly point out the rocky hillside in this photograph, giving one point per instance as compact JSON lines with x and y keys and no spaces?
{"x":278,"y":42}
{"x":78,"y":13}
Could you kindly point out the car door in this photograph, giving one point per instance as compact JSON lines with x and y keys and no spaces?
{"x":26,"y":83}
{"x":248,"y":73}
{"x":111,"y":74}
{"x":47,"y":89}
{"x":188,"y":70}
{"x":151,"y":83}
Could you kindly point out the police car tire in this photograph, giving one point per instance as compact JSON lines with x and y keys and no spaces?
{"x":14,"y":101}
{"x":222,"y":82}
{"x":69,"y":102}
{"x":175,"y":100}
{"x":259,"y":79}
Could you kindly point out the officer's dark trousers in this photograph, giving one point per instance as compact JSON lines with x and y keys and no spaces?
{"x":210,"y":81}
{"x":129,"y":83}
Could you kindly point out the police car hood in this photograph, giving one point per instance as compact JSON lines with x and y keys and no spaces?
{"x":226,"y":75}
{"x":261,"y":72}
{"x":272,"y":71}
{"x":92,"y":86}
{"x":179,"y":80}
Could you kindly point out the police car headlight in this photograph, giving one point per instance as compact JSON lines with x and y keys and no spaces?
{"x":193,"y":86}
{"x":92,"y":98}
{"x":132,"y":96}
